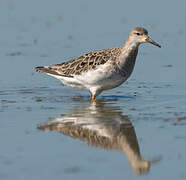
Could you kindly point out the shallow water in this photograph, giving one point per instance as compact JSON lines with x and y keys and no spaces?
{"x":48,"y":131}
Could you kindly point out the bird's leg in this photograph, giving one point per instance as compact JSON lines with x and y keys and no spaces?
{"x":93,"y":97}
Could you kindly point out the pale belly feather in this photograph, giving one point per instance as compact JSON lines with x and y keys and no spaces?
{"x":102,"y":78}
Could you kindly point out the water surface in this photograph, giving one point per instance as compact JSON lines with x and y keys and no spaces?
{"x":48,"y":131}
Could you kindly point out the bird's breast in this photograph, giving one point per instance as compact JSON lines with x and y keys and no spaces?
{"x":126,"y":63}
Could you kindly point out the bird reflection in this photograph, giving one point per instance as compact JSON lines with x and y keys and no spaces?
{"x":102,"y":125}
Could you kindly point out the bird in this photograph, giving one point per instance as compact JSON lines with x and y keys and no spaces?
{"x":101,"y":70}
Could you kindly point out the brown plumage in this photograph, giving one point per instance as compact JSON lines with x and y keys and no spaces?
{"x":81,"y":64}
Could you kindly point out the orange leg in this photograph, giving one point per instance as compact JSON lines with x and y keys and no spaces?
{"x":93,"y":97}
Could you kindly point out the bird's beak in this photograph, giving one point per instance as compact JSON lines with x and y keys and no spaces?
{"x":152,"y":42}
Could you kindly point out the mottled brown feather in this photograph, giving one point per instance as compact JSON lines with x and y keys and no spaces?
{"x":83,"y":63}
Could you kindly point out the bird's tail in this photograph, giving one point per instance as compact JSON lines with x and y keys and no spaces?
{"x":48,"y":70}
{"x":41,"y":69}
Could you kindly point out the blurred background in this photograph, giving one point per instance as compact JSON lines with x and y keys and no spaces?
{"x":43,"y":32}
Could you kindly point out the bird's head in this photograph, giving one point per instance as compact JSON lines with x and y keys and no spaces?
{"x":140,"y":35}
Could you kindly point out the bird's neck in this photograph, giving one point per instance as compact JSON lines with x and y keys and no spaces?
{"x":128,"y":55}
{"x":129,"y":47}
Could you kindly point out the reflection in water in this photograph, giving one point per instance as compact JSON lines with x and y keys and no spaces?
{"x":102,"y":125}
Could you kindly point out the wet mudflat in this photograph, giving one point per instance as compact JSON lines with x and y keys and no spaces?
{"x":48,"y":131}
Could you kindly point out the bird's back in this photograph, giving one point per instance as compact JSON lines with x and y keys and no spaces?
{"x":84,"y":63}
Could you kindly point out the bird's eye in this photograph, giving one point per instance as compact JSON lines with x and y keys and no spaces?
{"x":138,"y":34}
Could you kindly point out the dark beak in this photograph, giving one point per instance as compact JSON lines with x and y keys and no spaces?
{"x":152,"y":42}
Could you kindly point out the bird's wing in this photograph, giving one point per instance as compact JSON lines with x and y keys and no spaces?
{"x":81,"y":64}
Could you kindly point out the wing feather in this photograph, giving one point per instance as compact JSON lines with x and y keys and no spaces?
{"x":81,"y":64}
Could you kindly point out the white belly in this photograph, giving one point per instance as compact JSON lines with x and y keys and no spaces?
{"x":100,"y":79}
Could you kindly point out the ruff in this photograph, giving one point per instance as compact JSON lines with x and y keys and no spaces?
{"x":101,"y":70}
